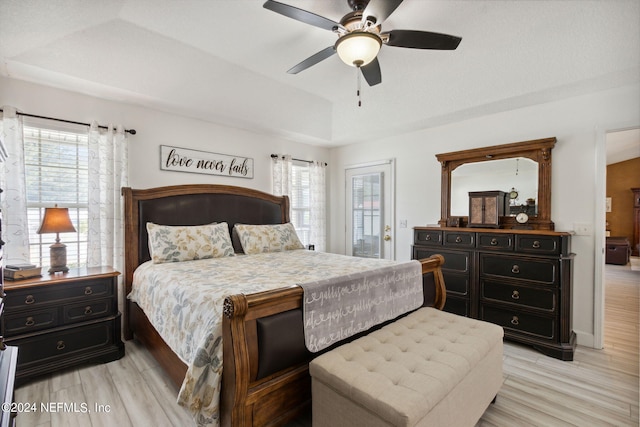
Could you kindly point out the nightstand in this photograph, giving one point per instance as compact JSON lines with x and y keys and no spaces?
{"x":62,"y":320}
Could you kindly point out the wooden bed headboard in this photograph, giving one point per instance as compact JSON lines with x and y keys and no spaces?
{"x":194,"y":204}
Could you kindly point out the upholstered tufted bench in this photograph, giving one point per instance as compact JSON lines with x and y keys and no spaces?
{"x":428,"y":368}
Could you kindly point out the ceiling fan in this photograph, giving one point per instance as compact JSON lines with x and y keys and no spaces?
{"x":360,"y":35}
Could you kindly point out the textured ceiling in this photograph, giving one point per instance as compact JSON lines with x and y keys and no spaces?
{"x":225,"y":60}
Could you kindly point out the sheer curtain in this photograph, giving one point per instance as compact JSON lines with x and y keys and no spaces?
{"x":15,"y":225}
{"x":108,"y":173}
{"x":282,"y":173}
{"x":318,"y":204}
{"x":282,"y":167}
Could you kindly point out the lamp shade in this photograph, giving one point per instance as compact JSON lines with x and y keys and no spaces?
{"x":358,"y":48}
{"x":56,"y":220}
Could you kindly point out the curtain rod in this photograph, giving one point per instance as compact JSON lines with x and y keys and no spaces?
{"x":275,"y":156}
{"x":18,"y":113}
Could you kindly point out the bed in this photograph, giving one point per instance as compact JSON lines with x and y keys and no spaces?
{"x":265,"y":380}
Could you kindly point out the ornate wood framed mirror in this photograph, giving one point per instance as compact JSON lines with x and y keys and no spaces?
{"x":538,"y":200}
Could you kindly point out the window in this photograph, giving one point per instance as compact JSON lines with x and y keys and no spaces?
{"x":300,"y":202}
{"x":56,"y":166}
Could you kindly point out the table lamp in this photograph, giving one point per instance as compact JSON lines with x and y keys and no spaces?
{"x":56,"y":220}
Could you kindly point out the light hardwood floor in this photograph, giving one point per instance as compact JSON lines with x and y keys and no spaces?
{"x":599,"y":388}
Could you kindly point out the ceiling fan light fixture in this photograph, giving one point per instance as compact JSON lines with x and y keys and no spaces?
{"x":358,"y":48}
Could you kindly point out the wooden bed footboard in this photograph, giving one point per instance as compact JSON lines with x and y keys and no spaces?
{"x":277,"y":398}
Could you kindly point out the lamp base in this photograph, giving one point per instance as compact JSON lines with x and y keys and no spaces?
{"x":58,"y":253}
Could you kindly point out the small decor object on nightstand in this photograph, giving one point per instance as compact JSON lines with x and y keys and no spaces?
{"x":56,"y":220}
{"x":21,"y":271}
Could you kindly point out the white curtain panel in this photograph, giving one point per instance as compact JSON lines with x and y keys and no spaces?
{"x":282,"y":175}
{"x":108,"y":173}
{"x":318,"y":205}
{"x":15,"y":226}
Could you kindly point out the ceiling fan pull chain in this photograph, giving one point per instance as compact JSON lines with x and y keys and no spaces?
{"x":358,"y":89}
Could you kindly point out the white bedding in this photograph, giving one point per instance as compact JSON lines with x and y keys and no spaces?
{"x":183,"y":301}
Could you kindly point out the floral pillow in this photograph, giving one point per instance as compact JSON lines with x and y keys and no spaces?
{"x":267,"y":238}
{"x":169,"y":243}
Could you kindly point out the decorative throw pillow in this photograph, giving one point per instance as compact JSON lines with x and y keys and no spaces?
{"x":174,"y":243}
{"x":268,"y":238}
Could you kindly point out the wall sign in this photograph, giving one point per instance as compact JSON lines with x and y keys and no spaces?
{"x":196,"y":161}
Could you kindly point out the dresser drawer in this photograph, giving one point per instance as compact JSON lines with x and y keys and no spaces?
{"x":524,"y":296}
{"x":536,"y":244}
{"x":456,"y":283}
{"x":455,"y":261}
{"x":459,"y":239}
{"x":517,"y":321}
{"x":23,"y":323}
{"x":62,"y":343}
{"x":427,"y":237}
{"x":502,"y":242}
{"x":87,"y":310}
{"x":458,"y":306}
{"x":35,"y":296}
{"x":542,"y":271}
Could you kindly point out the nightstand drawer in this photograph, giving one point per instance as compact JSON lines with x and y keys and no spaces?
{"x":87,"y":310}
{"x":61,"y":343}
{"x":542,"y":271}
{"x":524,"y":296}
{"x":35,"y":320}
{"x":38,"y":295}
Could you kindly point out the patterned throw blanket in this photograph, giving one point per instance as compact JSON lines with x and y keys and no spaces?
{"x":337,"y":308}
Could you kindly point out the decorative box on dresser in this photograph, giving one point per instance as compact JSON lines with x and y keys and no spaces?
{"x":518,"y":279}
{"x":62,"y":320}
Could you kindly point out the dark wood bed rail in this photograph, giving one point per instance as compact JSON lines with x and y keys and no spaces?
{"x":276,"y":399}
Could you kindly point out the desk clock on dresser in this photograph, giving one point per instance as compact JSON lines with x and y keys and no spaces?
{"x":63,"y":319}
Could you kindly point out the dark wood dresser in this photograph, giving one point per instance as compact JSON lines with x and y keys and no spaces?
{"x":518,"y":279}
{"x":63,"y":319}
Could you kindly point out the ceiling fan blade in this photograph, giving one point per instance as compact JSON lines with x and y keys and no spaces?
{"x":371,"y":72}
{"x":379,"y":10}
{"x":422,"y":40}
{"x":301,"y":15}
{"x":312,"y":60}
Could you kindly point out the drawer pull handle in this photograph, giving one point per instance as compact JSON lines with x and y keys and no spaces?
{"x":29,"y":299}
{"x":494,"y":241}
{"x":536,"y":244}
{"x":458,"y":239}
{"x":515,"y":321}
{"x":428,"y":237}
{"x":515,"y":295}
{"x":30,"y":321}
{"x":515,"y":269}
{"x":60,"y":345}
{"x":87,"y":310}
{"x":88,"y":290}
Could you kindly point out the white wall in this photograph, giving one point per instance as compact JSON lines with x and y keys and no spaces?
{"x":575,"y":122}
{"x":155,"y":128}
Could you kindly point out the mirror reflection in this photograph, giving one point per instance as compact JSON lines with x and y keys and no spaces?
{"x":519,"y":174}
